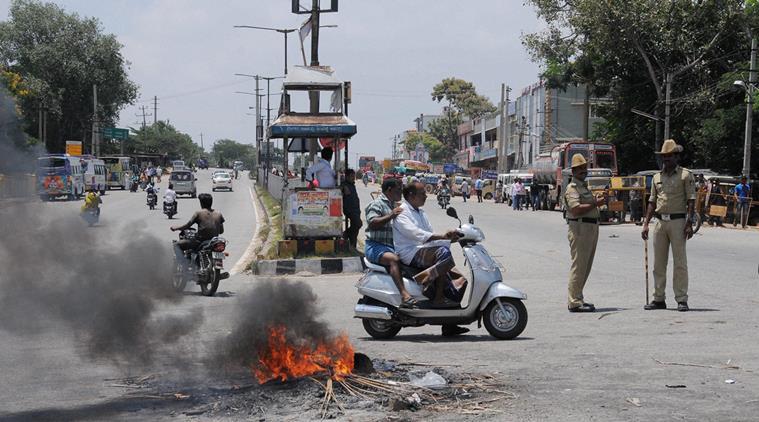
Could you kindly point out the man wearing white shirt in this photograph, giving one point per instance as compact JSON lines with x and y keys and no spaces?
{"x":417,"y":246}
{"x":322,"y":170}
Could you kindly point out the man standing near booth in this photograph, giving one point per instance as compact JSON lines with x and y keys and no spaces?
{"x":322,"y":171}
{"x":351,"y":207}
{"x":673,"y":198}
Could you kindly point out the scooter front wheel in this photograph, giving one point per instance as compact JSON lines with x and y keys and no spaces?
{"x":380,"y":329}
{"x":505,"y":321}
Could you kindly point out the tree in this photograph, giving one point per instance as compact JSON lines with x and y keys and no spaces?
{"x":632,"y":48}
{"x":226,"y":151}
{"x":445,"y":129}
{"x":58,"y":57}
{"x":162,"y":138}
{"x":462,"y":96}
{"x":435,"y":148}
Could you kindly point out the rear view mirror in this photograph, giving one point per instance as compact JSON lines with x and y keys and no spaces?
{"x":451,"y":212}
{"x":471,"y":219}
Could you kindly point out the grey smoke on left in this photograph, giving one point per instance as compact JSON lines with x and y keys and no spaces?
{"x":103,"y":286}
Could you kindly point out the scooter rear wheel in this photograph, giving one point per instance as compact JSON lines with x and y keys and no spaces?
{"x":381,"y":330}
{"x":505,"y":325}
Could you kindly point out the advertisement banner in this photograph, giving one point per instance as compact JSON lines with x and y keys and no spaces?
{"x":314,"y":213}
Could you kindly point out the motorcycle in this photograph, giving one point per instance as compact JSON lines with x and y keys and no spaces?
{"x":91,"y":216}
{"x":170,"y":209}
{"x":152,"y":199}
{"x":486,"y":298}
{"x":203,"y":265}
{"x":444,"y":198}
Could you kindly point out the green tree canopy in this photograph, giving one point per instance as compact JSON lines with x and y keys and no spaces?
{"x":627,"y":48}
{"x":227,"y":151}
{"x":436,"y":148}
{"x":59,"y":56}
{"x":462,"y":96}
{"x":162,"y":138}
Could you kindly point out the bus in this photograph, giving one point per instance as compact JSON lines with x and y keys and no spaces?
{"x":59,"y":175}
{"x":94,"y":173}
{"x":118,"y":172}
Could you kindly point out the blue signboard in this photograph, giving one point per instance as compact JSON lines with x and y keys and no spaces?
{"x":311,"y":131}
{"x":489,"y":174}
{"x":449,"y":168}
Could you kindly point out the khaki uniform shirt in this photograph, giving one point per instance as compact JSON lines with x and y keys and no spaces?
{"x":671,"y":192}
{"x":577,"y":194}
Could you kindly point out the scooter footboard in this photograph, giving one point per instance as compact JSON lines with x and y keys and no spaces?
{"x":499,"y":289}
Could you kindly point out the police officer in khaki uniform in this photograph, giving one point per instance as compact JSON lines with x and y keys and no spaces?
{"x":673,"y":196}
{"x":582,"y":219}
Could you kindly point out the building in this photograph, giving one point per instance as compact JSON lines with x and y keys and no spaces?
{"x":543,"y":117}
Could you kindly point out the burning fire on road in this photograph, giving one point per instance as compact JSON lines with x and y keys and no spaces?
{"x":284,"y":359}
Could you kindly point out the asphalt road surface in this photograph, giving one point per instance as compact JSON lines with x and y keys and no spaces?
{"x":569,"y":367}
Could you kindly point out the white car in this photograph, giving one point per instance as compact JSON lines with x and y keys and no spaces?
{"x":222,"y":180}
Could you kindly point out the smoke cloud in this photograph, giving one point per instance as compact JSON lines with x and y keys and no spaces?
{"x":270,"y":303}
{"x":104,"y":285}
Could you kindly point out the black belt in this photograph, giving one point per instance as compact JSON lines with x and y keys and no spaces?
{"x":584,"y":220}
{"x":672,"y":216}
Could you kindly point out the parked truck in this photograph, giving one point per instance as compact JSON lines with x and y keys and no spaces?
{"x":552,"y":169}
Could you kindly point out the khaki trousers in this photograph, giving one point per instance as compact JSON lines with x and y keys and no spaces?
{"x":670,"y":234}
{"x":583,"y":238}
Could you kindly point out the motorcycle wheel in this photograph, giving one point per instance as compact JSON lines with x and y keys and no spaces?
{"x":212,"y":283}
{"x":380,"y":329}
{"x":508,"y":326}
{"x":179,"y":280}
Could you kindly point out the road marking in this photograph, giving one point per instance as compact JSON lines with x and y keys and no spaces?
{"x":248,"y":256}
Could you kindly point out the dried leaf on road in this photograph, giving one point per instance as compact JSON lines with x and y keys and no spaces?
{"x":634,"y":401}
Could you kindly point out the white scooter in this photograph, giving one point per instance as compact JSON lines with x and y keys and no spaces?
{"x":486,"y":298}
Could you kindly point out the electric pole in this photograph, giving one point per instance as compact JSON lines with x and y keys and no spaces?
{"x":155,"y":109}
{"x":144,"y":116}
{"x":503,"y":166}
{"x":667,"y":102}
{"x":750,"y":91}
{"x":202,"y":147}
{"x":94,"y":149}
{"x":314,"y":95}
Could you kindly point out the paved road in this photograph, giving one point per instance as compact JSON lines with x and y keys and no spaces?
{"x":569,"y":367}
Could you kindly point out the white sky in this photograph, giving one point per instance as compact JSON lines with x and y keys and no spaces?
{"x":394,"y":51}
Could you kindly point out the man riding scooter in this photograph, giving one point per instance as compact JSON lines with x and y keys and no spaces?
{"x":380,"y":214}
{"x":419,"y":247}
{"x":170,"y":199}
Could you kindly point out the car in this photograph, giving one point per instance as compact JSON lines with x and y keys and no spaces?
{"x":215,"y":172}
{"x":221,"y":181}
{"x":184,"y":182}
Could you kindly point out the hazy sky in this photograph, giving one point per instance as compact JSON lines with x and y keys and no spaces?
{"x":394,"y":51}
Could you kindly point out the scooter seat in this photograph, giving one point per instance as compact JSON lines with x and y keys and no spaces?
{"x":374,"y":267}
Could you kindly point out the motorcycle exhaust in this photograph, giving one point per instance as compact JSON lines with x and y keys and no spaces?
{"x":371,"y":312}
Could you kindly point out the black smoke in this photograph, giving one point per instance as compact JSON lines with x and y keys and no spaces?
{"x":268,"y":304}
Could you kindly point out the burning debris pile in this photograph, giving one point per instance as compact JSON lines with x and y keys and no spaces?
{"x":282,"y":360}
{"x":279,"y":337}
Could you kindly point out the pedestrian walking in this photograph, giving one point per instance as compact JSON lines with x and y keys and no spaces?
{"x":636,"y":207}
{"x":464,"y":189}
{"x":582,"y":222}
{"x":499,"y":192}
{"x":518,"y":193}
{"x":351,"y":207}
{"x":673,"y":197}
{"x":535,"y":196}
{"x":478,"y":188}
{"x":742,"y":194}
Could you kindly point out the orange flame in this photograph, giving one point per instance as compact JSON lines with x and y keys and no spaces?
{"x":283,"y":360}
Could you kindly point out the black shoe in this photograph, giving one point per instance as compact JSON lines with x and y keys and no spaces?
{"x":453,"y":330}
{"x":584,"y":308}
{"x":655,"y":305}
{"x":682,"y":306}
{"x":590,"y":304}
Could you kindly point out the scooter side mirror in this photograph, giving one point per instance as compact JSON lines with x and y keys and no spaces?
{"x":451,"y":212}
{"x":471,"y":219}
